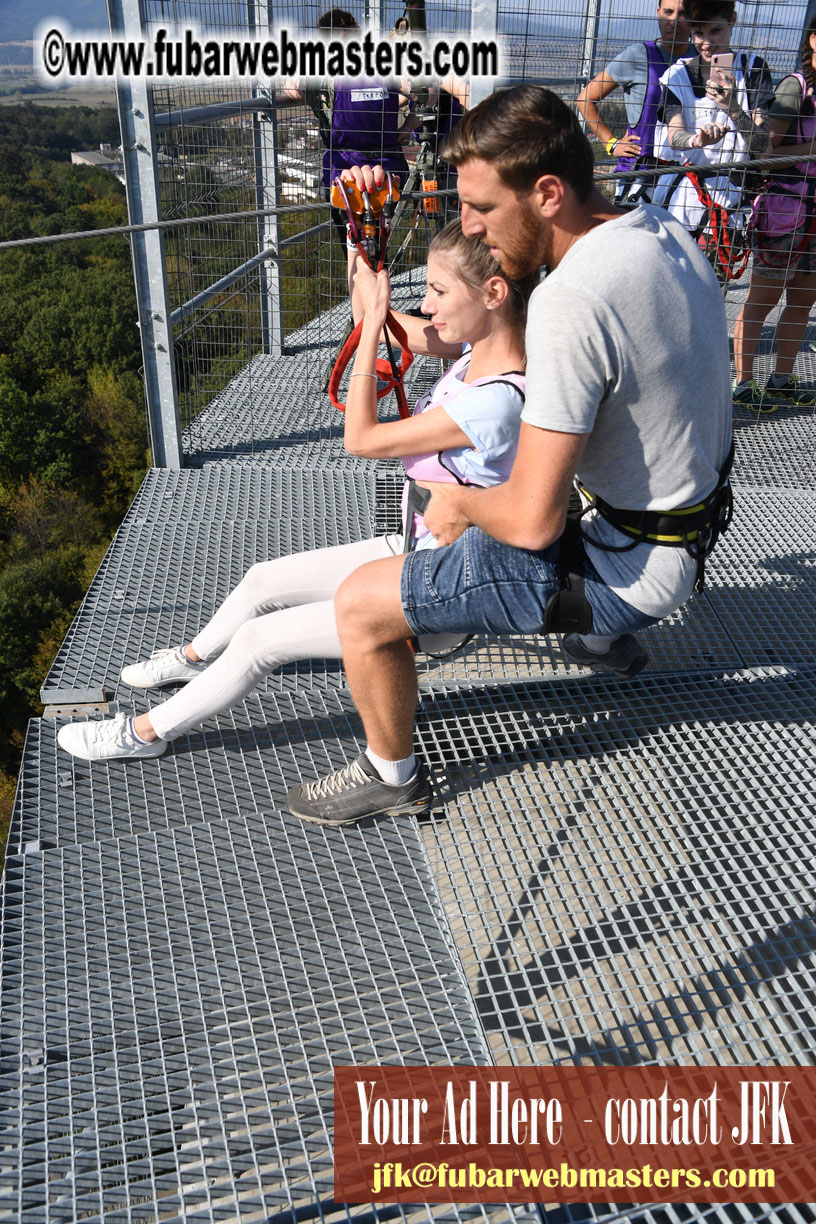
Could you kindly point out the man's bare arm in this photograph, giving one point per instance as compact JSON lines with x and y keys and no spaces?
{"x":587,"y":103}
{"x":530,"y":510}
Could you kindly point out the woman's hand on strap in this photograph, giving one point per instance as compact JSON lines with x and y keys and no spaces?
{"x":366,"y":177}
{"x":372,"y":293}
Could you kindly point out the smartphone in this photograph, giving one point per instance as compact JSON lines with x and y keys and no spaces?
{"x":721,"y":68}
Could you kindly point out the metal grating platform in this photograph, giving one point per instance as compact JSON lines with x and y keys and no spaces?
{"x":618,"y":872}
{"x":273,"y":410}
{"x":159,"y":583}
{"x":226,"y":491}
{"x":779,"y":449}
{"x":240,"y":763}
{"x":762,"y":577}
{"x":174,"y":1005}
{"x":619,"y":856}
{"x":624,"y":865}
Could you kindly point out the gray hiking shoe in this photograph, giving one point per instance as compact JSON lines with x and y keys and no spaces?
{"x":356,"y":791}
{"x":163,"y":667}
{"x":111,"y":739}
{"x":625,"y":657}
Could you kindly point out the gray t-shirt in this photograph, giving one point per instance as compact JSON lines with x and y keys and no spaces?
{"x":630,"y":70}
{"x":627,"y":342}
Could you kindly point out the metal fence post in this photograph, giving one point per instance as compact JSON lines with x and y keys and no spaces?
{"x":135,"y":102}
{"x":484,"y":24}
{"x":590,"y":48}
{"x":267,"y":195}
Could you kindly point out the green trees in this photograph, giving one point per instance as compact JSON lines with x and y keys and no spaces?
{"x":73,"y":442}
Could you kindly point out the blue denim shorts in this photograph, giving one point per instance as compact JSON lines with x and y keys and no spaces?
{"x":478,"y":585}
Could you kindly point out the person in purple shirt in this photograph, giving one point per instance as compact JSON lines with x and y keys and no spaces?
{"x":637,"y":71}
{"x":360,"y":121}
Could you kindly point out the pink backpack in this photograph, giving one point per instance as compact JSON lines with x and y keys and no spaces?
{"x":782,"y":207}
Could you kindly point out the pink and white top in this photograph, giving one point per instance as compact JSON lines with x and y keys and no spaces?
{"x":488,"y":411}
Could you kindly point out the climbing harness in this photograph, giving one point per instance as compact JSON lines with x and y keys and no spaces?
{"x":727,"y":246}
{"x":694,"y":528}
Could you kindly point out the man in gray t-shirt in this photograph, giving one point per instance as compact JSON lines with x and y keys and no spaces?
{"x":637,"y":71}
{"x":627,"y":390}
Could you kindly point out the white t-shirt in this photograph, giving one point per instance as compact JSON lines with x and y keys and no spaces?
{"x":627,"y":342}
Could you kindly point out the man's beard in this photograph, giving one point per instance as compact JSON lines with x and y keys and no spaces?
{"x":522,"y":251}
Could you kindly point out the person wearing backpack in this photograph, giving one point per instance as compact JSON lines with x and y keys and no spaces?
{"x":784,"y":242}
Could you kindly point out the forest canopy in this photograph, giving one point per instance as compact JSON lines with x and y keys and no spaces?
{"x":73,"y":438}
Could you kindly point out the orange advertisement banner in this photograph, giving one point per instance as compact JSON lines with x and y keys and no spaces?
{"x":575,"y":1134}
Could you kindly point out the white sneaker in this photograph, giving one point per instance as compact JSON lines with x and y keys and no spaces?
{"x":109,"y":740}
{"x":163,"y":667}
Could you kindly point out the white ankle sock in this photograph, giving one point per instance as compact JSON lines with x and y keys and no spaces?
{"x":135,"y":733}
{"x":598,"y":643}
{"x":393,"y":773}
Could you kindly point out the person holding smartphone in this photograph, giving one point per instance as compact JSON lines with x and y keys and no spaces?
{"x":715,"y":110}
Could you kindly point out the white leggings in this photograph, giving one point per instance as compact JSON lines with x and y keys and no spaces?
{"x":280,"y":611}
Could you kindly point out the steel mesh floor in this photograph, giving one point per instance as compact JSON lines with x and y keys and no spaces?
{"x":174,"y":1005}
{"x":160,"y":583}
{"x":243,"y":762}
{"x":599,"y":841}
{"x":762,"y":577}
{"x":618,"y":872}
{"x":625,"y":867}
{"x":778,"y":449}
{"x":224,"y":491}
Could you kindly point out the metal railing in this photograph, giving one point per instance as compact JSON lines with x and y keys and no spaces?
{"x":225,"y":267}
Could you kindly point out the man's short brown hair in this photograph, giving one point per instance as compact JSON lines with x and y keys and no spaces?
{"x":525,"y":132}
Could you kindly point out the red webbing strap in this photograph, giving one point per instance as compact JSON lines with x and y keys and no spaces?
{"x":391,"y":380}
{"x":718,"y":219}
{"x":390,"y":374}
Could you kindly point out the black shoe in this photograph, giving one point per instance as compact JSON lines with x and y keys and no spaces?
{"x":750,"y":395}
{"x":356,"y":791}
{"x":789,"y":391}
{"x":625,"y":657}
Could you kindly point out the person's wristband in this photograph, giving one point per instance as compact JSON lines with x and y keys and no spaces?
{"x":610,"y":144}
{"x":363,"y":374}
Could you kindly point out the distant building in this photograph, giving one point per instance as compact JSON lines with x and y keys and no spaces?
{"x":301,"y":178}
{"x":107,"y":158}
{"x":111,"y":159}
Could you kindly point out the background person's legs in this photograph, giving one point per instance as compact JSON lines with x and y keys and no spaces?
{"x":763,"y":294}
{"x":800,"y":294}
